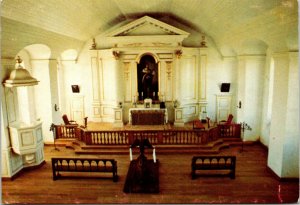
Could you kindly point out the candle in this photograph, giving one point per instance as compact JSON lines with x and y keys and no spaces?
{"x":153,"y":94}
{"x":130,"y":154}
{"x":154,"y":156}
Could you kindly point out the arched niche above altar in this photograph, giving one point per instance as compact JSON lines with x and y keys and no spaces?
{"x":147,"y":75}
{"x":145,"y":32}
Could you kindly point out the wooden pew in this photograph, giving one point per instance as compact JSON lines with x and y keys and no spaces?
{"x":214,"y":163}
{"x":83,"y":165}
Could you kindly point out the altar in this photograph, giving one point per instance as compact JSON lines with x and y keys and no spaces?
{"x":148,"y":116}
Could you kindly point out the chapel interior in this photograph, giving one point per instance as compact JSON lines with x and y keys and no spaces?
{"x":152,"y":87}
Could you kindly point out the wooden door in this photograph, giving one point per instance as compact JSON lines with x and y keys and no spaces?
{"x":77,"y":109}
{"x":223,"y":107}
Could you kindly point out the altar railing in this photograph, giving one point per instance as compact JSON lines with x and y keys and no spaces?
{"x":161,"y":137}
{"x":156,"y":137}
{"x":65,"y":131}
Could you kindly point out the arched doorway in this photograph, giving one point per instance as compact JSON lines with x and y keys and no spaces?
{"x":147,"y":72}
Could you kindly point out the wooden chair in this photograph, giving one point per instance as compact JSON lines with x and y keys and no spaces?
{"x":67,"y":121}
{"x":225,"y":127}
{"x":70,"y":125}
{"x":228,"y":121}
{"x":197,"y":125}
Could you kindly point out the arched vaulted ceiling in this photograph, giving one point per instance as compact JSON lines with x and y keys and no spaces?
{"x":69,"y":24}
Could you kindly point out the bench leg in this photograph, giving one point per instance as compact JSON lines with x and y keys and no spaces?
{"x":55,"y":175}
{"x":115,"y":176}
{"x":193,"y":174}
{"x":232,"y":174}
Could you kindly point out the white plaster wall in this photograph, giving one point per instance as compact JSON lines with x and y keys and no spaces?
{"x":71,"y":74}
{"x":253,"y":95}
{"x":250,"y":90}
{"x":25,"y":95}
{"x":220,"y":71}
{"x":84,"y":66}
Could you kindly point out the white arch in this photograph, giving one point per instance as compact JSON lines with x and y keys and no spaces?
{"x":38,"y":51}
{"x":140,"y":56}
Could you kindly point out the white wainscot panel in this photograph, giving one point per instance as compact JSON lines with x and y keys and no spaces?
{"x":27,"y":138}
{"x":96,"y":111}
{"x":188,"y":77}
{"x":40,"y":155}
{"x":16,"y":162}
{"x":118,"y":115}
{"x":39,"y":135}
{"x":110,"y":76}
{"x":190,"y":111}
{"x":107,"y":111}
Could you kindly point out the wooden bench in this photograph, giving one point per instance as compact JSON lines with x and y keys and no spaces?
{"x":84,"y":165}
{"x":214,"y":163}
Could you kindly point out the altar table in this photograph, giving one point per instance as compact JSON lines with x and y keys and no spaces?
{"x":148,"y":116}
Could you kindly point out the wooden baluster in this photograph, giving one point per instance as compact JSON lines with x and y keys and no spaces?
{"x":88,"y":138}
{"x":114,"y":138}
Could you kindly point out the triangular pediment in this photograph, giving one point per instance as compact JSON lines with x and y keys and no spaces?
{"x":147,"y":26}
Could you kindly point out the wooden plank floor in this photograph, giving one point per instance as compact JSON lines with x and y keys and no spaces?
{"x":253,"y":183}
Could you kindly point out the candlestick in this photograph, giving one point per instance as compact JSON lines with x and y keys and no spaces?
{"x":130,"y":154}
{"x":154,"y":155}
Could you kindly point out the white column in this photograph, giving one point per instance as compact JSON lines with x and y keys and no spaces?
{"x":43,"y":99}
{"x":53,"y":74}
{"x":283,"y":156}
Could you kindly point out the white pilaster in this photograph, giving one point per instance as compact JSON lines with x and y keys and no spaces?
{"x":202,"y":81}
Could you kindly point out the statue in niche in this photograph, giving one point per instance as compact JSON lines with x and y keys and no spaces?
{"x":147,"y":81}
{"x":147,"y":78}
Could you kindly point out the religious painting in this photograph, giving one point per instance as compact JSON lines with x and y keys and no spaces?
{"x":75,"y":88}
{"x":147,"y":72}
